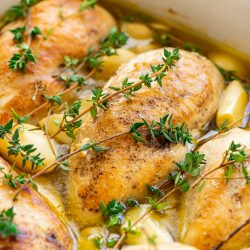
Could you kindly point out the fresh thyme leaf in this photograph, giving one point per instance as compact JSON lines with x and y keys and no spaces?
{"x":172,"y":133}
{"x":146,"y":79}
{"x":13,"y":181}
{"x":18,"y":62}
{"x":236,"y":154}
{"x":108,"y":46}
{"x":97,"y":96}
{"x":228,"y":75}
{"x":180,"y":181}
{"x":70,"y":62}
{"x":18,"y":11}
{"x":88,"y":4}
{"x":111,"y":242}
{"x":68,"y":80}
{"x":18,"y":34}
{"x":95,"y":147}
{"x":193,"y":47}
{"x":192,"y":163}
{"x":6,"y":129}
{"x":158,"y":207}
{"x":64,"y":165}
{"x":7,"y":226}
{"x":26,"y":151}
{"x":13,"y":14}
{"x":114,"y":40}
{"x":99,"y":149}
{"x":153,"y":190}
{"x":152,"y":240}
{"x":170,"y":57}
{"x":128,"y":229}
{"x":98,"y":242}
{"x":131,"y":203}
{"x":224,"y":126}
{"x":34,"y":32}
{"x":20,"y":120}
{"x":246,"y":174}
{"x":113,"y":212}
{"x":54,"y":99}
{"x":33,"y":184}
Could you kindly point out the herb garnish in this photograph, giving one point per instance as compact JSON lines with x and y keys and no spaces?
{"x":7,"y":226}
{"x":19,"y":61}
{"x":88,"y":4}
{"x":113,"y":212}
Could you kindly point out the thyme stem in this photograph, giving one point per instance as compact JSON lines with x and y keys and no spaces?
{"x":108,"y":98}
{"x":119,"y":242}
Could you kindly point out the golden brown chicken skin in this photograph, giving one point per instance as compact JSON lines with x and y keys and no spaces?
{"x":66,"y":32}
{"x":190,"y":92}
{"x":38,"y":225}
{"x":220,"y":207}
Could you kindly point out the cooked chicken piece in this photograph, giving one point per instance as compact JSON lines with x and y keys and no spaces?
{"x":68,"y":32}
{"x":220,"y":207}
{"x":190,"y":92}
{"x":38,"y":225}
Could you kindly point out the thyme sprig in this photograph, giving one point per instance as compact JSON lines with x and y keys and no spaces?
{"x":168,"y":58}
{"x":171,"y":133}
{"x":18,"y":11}
{"x":189,"y":167}
{"x":19,"y":61}
{"x":7,"y":226}
{"x":108,"y":46}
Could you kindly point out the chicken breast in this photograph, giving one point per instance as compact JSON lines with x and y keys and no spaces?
{"x":220,"y":207}
{"x":190,"y":92}
{"x":38,"y":225}
{"x":67,"y":32}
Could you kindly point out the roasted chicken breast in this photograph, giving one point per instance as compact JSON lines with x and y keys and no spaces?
{"x":220,"y":207}
{"x":66,"y":32}
{"x":190,"y":91}
{"x":38,"y":225}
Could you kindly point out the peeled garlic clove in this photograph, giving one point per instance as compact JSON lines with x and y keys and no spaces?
{"x":149,"y":225}
{"x":53,"y":122}
{"x":137,"y":30}
{"x":227,"y":62}
{"x":28,"y":134}
{"x":233,"y":104}
{"x":160,"y":26}
{"x":112,"y":63}
{"x":144,"y":48}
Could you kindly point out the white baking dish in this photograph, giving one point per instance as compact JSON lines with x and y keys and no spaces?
{"x":226,"y":21}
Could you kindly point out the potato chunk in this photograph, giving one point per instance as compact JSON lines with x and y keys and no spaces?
{"x":28,"y":135}
{"x":232,"y":105}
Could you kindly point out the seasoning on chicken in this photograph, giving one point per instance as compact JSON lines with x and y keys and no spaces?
{"x":67,"y":32}
{"x":190,"y":92}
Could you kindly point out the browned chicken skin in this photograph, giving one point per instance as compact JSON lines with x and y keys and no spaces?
{"x":39,"y":227}
{"x":68,"y":32}
{"x":220,"y":207}
{"x":190,"y":92}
